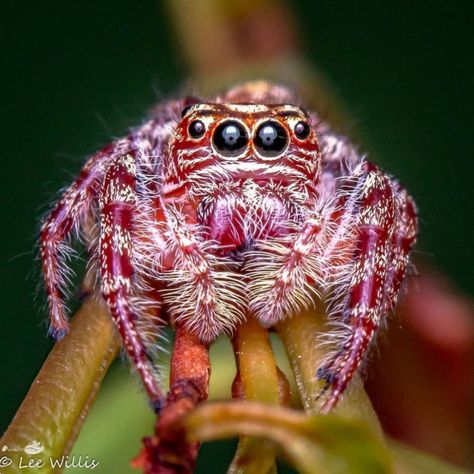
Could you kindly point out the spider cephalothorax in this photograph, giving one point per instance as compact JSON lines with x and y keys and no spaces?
{"x":239,"y":206}
{"x":248,"y":169}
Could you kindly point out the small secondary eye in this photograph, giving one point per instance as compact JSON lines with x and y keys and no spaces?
{"x":271,"y":138}
{"x":230,"y":138}
{"x":196,"y":129}
{"x":188,"y":102}
{"x":302,"y":130}
{"x":185,"y":111}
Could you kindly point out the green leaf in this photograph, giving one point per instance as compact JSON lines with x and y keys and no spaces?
{"x":410,"y":461}
{"x":314,"y":445}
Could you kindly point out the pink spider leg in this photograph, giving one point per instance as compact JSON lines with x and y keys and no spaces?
{"x":204,"y":299}
{"x":117,"y":202}
{"x":67,"y":215}
{"x":366,"y":300}
{"x":296,"y":271}
{"x":293,"y":276}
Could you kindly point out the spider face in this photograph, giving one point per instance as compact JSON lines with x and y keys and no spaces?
{"x":235,"y":142}
{"x":249,"y":169}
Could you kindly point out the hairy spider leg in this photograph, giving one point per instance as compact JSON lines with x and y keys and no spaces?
{"x":403,"y":240}
{"x":200,"y":296}
{"x":67,"y":216}
{"x":117,"y":203}
{"x":283,"y":279}
{"x":365,"y":303}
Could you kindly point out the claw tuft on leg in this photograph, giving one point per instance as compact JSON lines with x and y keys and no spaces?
{"x":157,"y":405}
{"x":56,"y":333}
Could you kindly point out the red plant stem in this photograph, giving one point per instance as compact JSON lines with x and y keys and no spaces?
{"x":168,"y":451}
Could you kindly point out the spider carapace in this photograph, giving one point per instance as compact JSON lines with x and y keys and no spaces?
{"x":240,"y":205}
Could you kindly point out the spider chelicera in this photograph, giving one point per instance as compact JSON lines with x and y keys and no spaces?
{"x":243,"y":205}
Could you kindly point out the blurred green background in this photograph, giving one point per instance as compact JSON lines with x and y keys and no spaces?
{"x":75,"y":74}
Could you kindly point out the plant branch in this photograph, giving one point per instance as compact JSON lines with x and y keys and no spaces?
{"x":258,"y":379}
{"x":168,"y":452}
{"x":59,"y":399}
{"x":316,"y":444}
{"x":305,"y":354}
{"x":228,"y":42}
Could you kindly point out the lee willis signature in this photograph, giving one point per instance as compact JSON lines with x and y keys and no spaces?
{"x":31,"y":457}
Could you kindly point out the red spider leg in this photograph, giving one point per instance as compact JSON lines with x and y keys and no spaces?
{"x":403,"y":240}
{"x":200,"y":297}
{"x":68,"y":214}
{"x":117,"y":203}
{"x":365,"y":304}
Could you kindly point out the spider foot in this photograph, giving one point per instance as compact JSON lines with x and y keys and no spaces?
{"x":157,"y":405}
{"x":327,"y":374}
{"x":57,"y":333}
{"x":334,"y":385}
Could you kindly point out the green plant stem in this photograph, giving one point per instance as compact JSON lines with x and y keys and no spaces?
{"x":258,"y":376}
{"x":59,"y":399}
{"x":299,"y":338}
{"x":256,"y":362}
{"x":305,"y":354}
{"x":218,"y":55}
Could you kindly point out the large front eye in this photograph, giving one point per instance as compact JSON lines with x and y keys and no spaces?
{"x":230,"y":138}
{"x":271,"y":138}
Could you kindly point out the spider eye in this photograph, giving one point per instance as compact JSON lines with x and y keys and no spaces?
{"x":230,"y":138}
{"x":196,"y":129}
{"x":302,"y":130}
{"x":185,"y":111}
{"x":188,"y":102}
{"x":270,"y":139}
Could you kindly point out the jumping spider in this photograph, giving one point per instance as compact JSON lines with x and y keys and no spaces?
{"x":244,"y":205}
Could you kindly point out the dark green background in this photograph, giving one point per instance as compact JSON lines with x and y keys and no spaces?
{"x":75,"y":74}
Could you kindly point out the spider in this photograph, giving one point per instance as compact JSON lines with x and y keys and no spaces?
{"x":243,"y":205}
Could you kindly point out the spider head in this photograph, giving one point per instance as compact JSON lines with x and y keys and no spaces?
{"x":227,"y":142}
